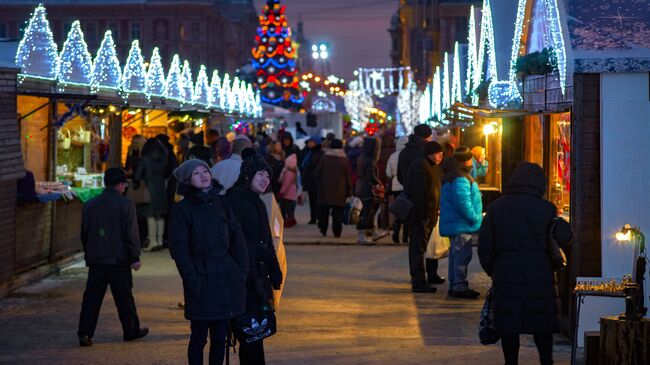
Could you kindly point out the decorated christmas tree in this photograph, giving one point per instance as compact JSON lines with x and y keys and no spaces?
{"x":134,"y":77}
{"x":187,"y":85}
{"x":202,"y":88}
{"x":174,"y":87}
{"x":215,"y":90}
{"x":156,"y":75}
{"x":106,"y":68}
{"x":75,"y":64}
{"x":275,"y":58}
{"x":227,"y":103}
{"x":37,"y":53}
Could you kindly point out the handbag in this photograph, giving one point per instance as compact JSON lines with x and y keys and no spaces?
{"x":401,"y":207}
{"x":378,"y":191}
{"x":438,"y":247}
{"x":254,"y":325}
{"x":352,"y":211}
{"x":139,"y":195}
{"x":555,"y":253}
{"x":487,"y":334}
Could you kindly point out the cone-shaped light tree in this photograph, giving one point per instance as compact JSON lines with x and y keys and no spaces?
{"x":215,"y":89}
{"x":202,"y":88}
{"x":174,"y":88}
{"x":134,"y":77}
{"x":156,"y":75}
{"x":106,"y":67}
{"x":75,"y":64}
{"x":275,"y":58}
{"x":187,"y":85}
{"x":37,"y":53}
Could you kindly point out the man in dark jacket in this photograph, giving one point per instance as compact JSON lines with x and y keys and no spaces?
{"x":109,"y":235}
{"x":422,"y":133}
{"x":333,"y":173}
{"x":313,"y":154}
{"x":423,"y":189}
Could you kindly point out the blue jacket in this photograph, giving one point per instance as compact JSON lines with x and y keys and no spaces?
{"x":461,"y":207}
{"x":478,"y":170}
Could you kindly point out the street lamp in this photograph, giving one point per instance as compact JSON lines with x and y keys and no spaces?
{"x":320,"y":51}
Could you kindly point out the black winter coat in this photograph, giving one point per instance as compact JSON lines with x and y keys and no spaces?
{"x":513,"y":251}
{"x":423,"y":188}
{"x":152,"y":171}
{"x":367,"y":174}
{"x":208,"y":246}
{"x":334,"y":172}
{"x":265,"y":272}
{"x":412,"y":152}
{"x":309,"y":180}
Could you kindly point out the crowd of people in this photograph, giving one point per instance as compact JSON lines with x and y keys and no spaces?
{"x":218,"y":233}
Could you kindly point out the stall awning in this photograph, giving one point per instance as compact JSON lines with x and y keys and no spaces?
{"x":463,"y":114}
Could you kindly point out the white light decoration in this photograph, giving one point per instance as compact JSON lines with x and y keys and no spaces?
{"x":425,"y":105}
{"x":134,"y":77}
{"x":202,"y":88}
{"x":436,"y":96}
{"x":408,"y":107}
{"x":357,"y":103}
{"x":471,"y":55}
{"x":259,"y":112}
{"x":323,"y":105}
{"x":503,"y":94}
{"x":187,"y":85}
{"x":456,"y":86}
{"x":373,"y":80}
{"x":75,"y":63}
{"x":215,"y":90}
{"x":446,"y":76}
{"x":250,"y":100}
{"x":241,"y":98}
{"x":174,"y":82}
{"x":156,"y":81}
{"x":226,"y":94}
{"x":106,"y":68}
{"x":233,"y":96}
{"x":37,"y":54}
{"x":487,"y":68}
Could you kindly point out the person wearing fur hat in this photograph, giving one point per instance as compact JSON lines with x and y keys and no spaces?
{"x":461,"y":214}
{"x":248,"y":207}
{"x":208,"y":246}
{"x":423,"y":189}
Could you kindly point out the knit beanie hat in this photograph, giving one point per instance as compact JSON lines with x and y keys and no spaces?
{"x":114,"y":176}
{"x":432,"y":147}
{"x":183,"y":173}
{"x":423,"y":130}
{"x":463,"y":154}
{"x":251,"y":164}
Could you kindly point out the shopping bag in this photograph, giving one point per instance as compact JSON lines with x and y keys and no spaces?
{"x":487,"y":334}
{"x":352,"y":212}
{"x":438,"y":246}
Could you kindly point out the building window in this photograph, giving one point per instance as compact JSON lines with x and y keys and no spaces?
{"x":91,"y":32}
{"x":114,"y":28}
{"x":135,"y":30}
{"x":160,"y":29}
{"x":181,"y":31}
{"x":195,"y":31}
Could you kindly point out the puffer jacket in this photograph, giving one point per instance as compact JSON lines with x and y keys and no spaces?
{"x":208,"y":246}
{"x":461,"y":206}
{"x":391,"y":166}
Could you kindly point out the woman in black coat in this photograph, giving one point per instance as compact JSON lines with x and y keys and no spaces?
{"x":513,"y":251}
{"x":152,"y":171}
{"x":208,"y":246}
{"x":265,"y":274}
{"x":367,"y":178}
{"x":333,"y":172}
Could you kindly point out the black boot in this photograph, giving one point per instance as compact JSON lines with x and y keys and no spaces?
{"x":432,"y":272}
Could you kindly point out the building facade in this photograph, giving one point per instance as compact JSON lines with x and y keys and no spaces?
{"x":427,"y":29}
{"x":216,"y":33}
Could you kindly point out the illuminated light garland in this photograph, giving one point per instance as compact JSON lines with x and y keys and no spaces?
{"x":187,"y":85}
{"x":486,"y":48}
{"x":233,"y":96}
{"x":75,"y":63}
{"x":241,"y":97}
{"x":357,"y":103}
{"x":215,"y":90}
{"x":436,"y":96}
{"x":258,"y":104}
{"x":472,"y":57}
{"x":502,"y":94}
{"x":225,"y":94}
{"x":202,"y":87}
{"x":37,"y":53}
{"x":456,"y":86}
{"x":425,"y":105}
{"x":174,"y":82}
{"x":106,"y":71}
{"x":408,"y":107}
{"x":156,"y":82}
{"x":446,"y":92}
{"x":250,"y":100}
{"x":516,"y":40}
{"x":134,"y":77}
{"x":557,"y":39}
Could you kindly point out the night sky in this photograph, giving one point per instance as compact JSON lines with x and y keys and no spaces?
{"x":355,"y":30}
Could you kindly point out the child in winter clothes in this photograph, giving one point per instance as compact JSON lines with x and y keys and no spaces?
{"x":289,"y":190}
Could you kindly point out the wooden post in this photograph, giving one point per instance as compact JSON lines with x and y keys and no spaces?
{"x":624,"y":342}
{"x":51,"y":169}
{"x":115,"y":142}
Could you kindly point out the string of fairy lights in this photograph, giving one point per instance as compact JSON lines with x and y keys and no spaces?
{"x":445,"y":88}
{"x":38,"y":58}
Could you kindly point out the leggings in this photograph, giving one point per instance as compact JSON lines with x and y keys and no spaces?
{"x":544,"y":343}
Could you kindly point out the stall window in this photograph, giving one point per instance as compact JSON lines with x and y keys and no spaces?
{"x":560,"y":162}
{"x":534,"y":139}
{"x":135,"y":30}
{"x":34,"y":134}
{"x":493,"y":135}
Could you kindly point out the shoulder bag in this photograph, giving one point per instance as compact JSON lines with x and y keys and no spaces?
{"x":402,"y":207}
{"x":487,"y":334}
{"x":555,"y":253}
{"x":139,"y":195}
